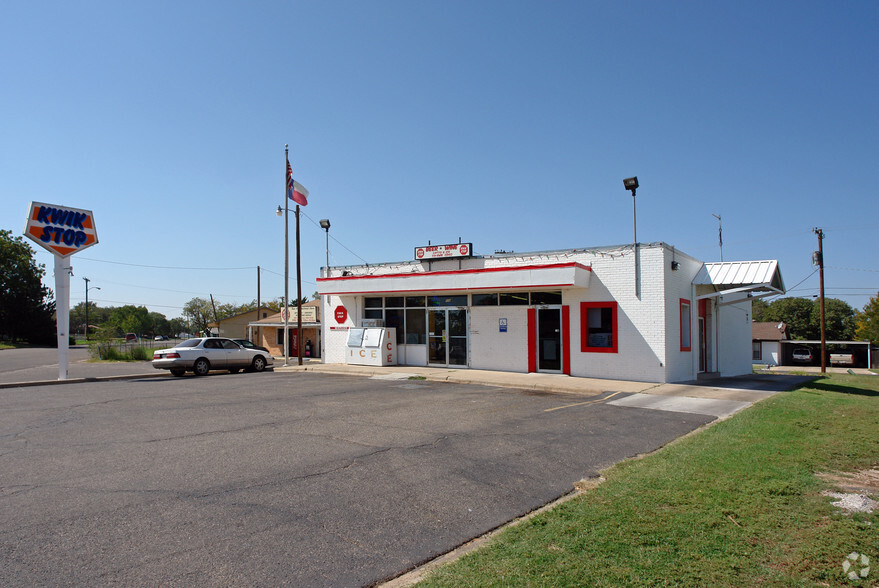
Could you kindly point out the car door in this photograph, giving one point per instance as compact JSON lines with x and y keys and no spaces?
{"x":236,"y":355}
{"x":216,"y":354}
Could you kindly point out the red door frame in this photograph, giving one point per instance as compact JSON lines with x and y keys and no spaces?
{"x":566,"y":340}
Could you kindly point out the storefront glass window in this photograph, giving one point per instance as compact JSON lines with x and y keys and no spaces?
{"x":394,"y":302}
{"x":415,"y":302}
{"x":540,"y":298}
{"x":513,"y":298}
{"x":485,"y":299}
{"x":447,"y":300}
{"x":394,"y":318}
{"x":416,"y":326}
{"x":372,"y":302}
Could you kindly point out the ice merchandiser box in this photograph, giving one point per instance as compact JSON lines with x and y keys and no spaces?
{"x":371,"y":346}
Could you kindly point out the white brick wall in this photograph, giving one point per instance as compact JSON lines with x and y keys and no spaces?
{"x":648,"y":326}
{"x":492,"y":350}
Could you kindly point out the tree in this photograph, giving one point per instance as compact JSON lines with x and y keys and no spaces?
{"x":26,"y":306}
{"x":198,"y":312}
{"x":868,"y":321}
{"x":177,"y":326}
{"x":796,"y":313}
{"x":758,"y":310}
{"x":160,"y":325}
{"x":803,"y":317}
{"x":131,"y":319}
{"x":839,"y":319}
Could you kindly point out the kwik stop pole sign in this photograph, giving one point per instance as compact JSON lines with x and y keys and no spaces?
{"x":63,"y":231}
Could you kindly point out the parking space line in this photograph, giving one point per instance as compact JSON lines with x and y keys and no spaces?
{"x":602,"y":399}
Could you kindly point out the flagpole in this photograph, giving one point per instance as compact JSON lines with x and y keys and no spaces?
{"x":287,"y":256}
{"x":299,"y":343}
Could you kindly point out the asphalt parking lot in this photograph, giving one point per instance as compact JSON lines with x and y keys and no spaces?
{"x":285,"y":479}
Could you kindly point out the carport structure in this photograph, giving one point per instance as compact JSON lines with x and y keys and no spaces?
{"x":864,"y":352}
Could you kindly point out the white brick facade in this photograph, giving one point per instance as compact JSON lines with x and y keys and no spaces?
{"x":648,"y":310}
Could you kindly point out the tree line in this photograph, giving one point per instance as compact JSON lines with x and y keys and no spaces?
{"x":803,"y":318}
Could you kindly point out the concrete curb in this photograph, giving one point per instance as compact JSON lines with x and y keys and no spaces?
{"x":558,"y":384}
{"x":34,"y":383}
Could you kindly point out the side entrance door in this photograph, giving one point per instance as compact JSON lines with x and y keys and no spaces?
{"x":549,"y":339}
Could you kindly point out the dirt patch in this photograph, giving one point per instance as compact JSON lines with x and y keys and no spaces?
{"x":857,"y":489}
{"x":865,"y":481}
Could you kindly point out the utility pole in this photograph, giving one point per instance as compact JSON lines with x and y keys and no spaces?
{"x":86,"y":308}
{"x":820,"y":259}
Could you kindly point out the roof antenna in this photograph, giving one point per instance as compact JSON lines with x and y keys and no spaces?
{"x":719,"y":233}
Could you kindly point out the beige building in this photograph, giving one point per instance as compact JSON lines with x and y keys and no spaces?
{"x":269,"y":331}
{"x":238,"y":326}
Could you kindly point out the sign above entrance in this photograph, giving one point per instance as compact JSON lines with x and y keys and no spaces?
{"x":444,"y":251}
{"x":60,"y":229}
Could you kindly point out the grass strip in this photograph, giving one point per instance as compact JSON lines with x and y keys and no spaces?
{"x":738,"y":504}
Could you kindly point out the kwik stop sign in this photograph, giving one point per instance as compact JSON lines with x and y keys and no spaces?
{"x":63,"y":231}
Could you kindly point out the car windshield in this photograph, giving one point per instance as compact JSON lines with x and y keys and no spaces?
{"x":190,"y":343}
{"x":244,"y":343}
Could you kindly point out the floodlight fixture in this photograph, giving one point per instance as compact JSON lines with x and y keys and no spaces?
{"x":631,"y":184}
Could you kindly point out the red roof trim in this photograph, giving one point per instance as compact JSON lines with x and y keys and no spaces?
{"x":439,"y":290}
{"x":467,"y":271}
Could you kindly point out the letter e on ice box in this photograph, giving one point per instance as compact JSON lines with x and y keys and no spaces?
{"x":372,"y":346}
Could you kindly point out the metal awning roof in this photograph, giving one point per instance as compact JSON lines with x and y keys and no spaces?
{"x":727,"y":277}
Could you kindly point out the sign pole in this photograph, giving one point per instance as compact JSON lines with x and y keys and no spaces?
{"x":63,"y":231}
{"x":62,"y":312}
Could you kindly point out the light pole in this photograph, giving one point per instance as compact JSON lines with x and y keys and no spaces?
{"x":87,"y":305}
{"x":325,"y":225}
{"x":632,"y":185}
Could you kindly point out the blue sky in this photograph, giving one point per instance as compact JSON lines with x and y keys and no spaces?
{"x":507,"y":124}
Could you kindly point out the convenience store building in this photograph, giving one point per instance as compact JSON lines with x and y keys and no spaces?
{"x":643,"y":312}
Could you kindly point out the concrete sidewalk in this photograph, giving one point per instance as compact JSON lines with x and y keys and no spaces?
{"x":749,"y":388}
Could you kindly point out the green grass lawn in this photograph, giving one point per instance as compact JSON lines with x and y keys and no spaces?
{"x":738,"y":504}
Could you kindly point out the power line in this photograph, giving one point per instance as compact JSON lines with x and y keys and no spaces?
{"x":249,"y":267}
{"x":334,"y":239}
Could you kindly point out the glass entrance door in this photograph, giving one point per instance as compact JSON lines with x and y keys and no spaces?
{"x":447,"y":336}
{"x":549,"y":339}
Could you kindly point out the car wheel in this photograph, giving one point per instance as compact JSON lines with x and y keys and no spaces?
{"x":259,"y":363}
{"x":177,"y":373}
{"x":201,"y":367}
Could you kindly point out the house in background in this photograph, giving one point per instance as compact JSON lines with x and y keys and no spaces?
{"x":270,"y":331}
{"x":766,"y":341}
{"x":238,"y":326}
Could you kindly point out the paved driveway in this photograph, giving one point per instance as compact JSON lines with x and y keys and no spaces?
{"x":283,"y":479}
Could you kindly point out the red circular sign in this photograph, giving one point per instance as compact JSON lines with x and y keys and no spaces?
{"x":419,"y":253}
{"x":341,"y":314}
{"x":463,"y":249}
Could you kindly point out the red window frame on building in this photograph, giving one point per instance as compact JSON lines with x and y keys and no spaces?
{"x":584,"y":327}
{"x":689,"y":324}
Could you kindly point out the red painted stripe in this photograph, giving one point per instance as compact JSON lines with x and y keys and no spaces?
{"x":566,"y":339}
{"x":443,"y":290}
{"x":461,"y":272}
{"x":532,"y":340}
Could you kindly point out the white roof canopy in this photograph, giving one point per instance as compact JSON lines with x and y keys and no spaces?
{"x":753,"y":277}
{"x":558,"y":275}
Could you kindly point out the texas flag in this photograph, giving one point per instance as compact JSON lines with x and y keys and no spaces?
{"x":295,"y":190}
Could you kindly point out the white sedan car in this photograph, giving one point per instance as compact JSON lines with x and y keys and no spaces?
{"x":204,"y":354}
